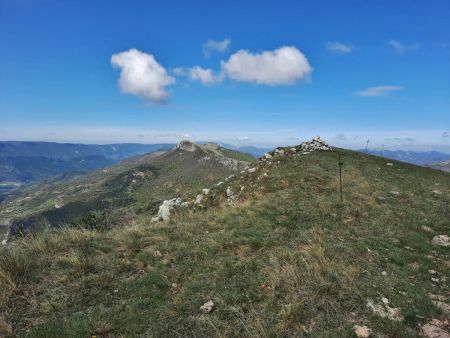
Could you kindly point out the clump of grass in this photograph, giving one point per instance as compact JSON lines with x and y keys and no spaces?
{"x":17,"y":267}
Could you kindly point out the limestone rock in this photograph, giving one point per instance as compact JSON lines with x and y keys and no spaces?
{"x":187,"y":146}
{"x":207,"y":307}
{"x":205,"y":191}
{"x":442,"y":240}
{"x":198,"y":199}
{"x":315,"y":144}
{"x":362,"y":331}
{"x":166,"y":207}
{"x":434,"y":329}
{"x":230,"y":194}
{"x":384,"y":310}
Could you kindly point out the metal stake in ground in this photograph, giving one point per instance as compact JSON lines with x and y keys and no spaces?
{"x":340,"y":174}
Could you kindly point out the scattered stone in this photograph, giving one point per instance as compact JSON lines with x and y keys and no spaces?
{"x":384,"y":310}
{"x":362,"y":331}
{"x":434,"y":329}
{"x":426,"y":228}
{"x":198,"y":199}
{"x":207,"y":307}
{"x":229,"y":178}
{"x":230,"y":194}
{"x":432,"y":271}
{"x":267,"y":155}
{"x":442,"y":240}
{"x":436,"y":280}
{"x":251,"y":170}
{"x":219,"y":184}
{"x":440,"y":302}
{"x":166,"y":207}
{"x":395,"y":193}
{"x":157,"y":253}
{"x":389,"y":164}
{"x":384,"y":273}
{"x":205,"y":191}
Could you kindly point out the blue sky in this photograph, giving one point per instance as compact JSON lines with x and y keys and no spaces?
{"x":243,"y":72}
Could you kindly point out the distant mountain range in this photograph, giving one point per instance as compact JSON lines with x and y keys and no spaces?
{"x":413,"y":157}
{"x":138,"y":184}
{"x":445,"y":166}
{"x":27,"y":162}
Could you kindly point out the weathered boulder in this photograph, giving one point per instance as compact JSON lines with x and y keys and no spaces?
{"x":198,"y":199}
{"x":207,"y":307}
{"x":166,"y":207}
{"x":442,"y":240}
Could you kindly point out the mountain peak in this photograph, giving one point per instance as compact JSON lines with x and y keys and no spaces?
{"x":187,"y":146}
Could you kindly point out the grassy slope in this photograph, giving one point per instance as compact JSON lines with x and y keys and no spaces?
{"x":135,"y":186}
{"x":286,"y":259}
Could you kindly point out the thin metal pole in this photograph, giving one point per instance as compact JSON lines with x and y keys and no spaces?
{"x":340,"y":175}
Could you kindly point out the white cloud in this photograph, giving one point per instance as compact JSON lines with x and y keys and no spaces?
{"x":205,"y":75}
{"x":401,"y":48}
{"x":142,"y":75}
{"x":212,"y":46}
{"x":378,"y":91}
{"x":339,"y":48}
{"x":282,"y":66}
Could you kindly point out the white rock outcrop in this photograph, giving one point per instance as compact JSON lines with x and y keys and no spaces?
{"x":442,"y":240}
{"x":384,"y":310}
{"x":187,"y":146}
{"x":198,"y":199}
{"x":207,"y":307}
{"x":166,"y":208}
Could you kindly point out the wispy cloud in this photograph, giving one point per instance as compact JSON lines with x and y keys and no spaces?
{"x":243,"y":138}
{"x":378,"y":91}
{"x":283,"y":66}
{"x":213,"y":46}
{"x":205,"y":75}
{"x":401,"y":48}
{"x":142,"y":75}
{"x":339,"y":48}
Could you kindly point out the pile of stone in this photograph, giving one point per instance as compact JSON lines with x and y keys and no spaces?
{"x":302,"y":149}
{"x":315,"y":144}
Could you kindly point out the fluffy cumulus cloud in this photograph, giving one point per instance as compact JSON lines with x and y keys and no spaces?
{"x":402,"y":48}
{"x":212,"y":46}
{"x":339,"y":48}
{"x":378,"y":91}
{"x":142,"y":75}
{"x":282,"y":66}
